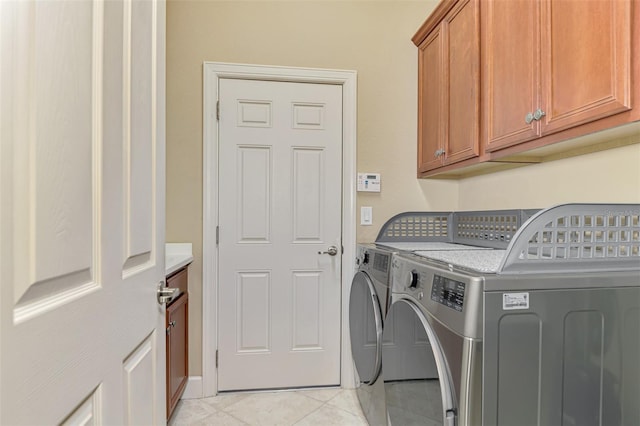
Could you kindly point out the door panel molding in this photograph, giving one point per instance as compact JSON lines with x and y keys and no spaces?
{"x":307,"y":176}
{"x":213,"y":72}
{"x":139,"y":392}
{"x":60,"y":138}
{"x":139,"y":137}
{"x":88,"y":413}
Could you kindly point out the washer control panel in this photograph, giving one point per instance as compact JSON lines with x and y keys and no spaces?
{"x":381,"y":262}
{"x":448,"y":292}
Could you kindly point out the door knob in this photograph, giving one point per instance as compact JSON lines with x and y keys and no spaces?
{"x":166,"y":294}
{"x":331,"y":251}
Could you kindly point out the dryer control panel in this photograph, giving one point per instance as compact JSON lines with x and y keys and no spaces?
{"x":381,"y":262}
{"x":448,"y":292}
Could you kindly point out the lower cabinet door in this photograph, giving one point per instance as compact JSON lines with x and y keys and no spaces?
{"x":177,"y":350}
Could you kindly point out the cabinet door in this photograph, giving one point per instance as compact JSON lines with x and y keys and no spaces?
{"x":461,"y":27}
{"x":431,"y":101}
{"x":511,"y":49}
{"x":586,"y":66}
{"x":177,"y":350}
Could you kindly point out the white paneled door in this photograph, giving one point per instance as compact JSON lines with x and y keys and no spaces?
{"x":81,"y":212}
{"x":280,"y":215}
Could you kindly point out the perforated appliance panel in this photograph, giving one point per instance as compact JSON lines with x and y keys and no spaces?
{"x":416,"y":226}
{"x":579,"y":237}
{"x":486,"y":228}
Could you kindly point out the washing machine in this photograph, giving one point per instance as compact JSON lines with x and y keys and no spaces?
{"x":546,"y":331}
{"x":368,"y":305}
{"x":369,"y":297}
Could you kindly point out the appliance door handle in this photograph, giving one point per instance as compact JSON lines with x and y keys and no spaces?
{"x":377,"y":317}
{"x":450,"y":418}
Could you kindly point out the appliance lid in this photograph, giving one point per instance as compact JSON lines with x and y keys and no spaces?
{"x":424,"y":246}
{"x":484,"y":261}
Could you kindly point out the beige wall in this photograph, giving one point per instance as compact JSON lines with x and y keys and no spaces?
{"x":611,"y":176}
{"x":373,"y":38}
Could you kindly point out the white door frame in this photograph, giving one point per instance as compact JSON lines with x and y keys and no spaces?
{"x":213,"y":71}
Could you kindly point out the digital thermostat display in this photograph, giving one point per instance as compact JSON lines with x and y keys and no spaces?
{"x":369,"y":182}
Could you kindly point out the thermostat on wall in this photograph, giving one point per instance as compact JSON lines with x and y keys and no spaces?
{"x":369,"y":182}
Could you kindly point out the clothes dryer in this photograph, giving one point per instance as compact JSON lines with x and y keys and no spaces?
{"x":546,"y":331}
{"x":368,"y":302}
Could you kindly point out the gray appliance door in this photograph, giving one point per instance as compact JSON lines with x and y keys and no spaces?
{"x":562,"y":357}
{"x":417,"y":381}
{"x":365,"y":328}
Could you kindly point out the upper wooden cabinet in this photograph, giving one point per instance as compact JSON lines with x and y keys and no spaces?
{"x":448,"y":85}
{"x":524,"y":81}
{"x":551,"y":65}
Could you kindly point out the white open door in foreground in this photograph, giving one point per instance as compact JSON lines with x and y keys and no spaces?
{"x":82,"y":212}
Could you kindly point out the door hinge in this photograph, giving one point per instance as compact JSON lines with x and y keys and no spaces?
{"x":216,"y":358}
{"x":217,"y":235}
{"x":218,"y":110}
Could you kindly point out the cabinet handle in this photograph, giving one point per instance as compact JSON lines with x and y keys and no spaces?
{"x":538,"y":114}
{"x":439,"y":153}
{"x":528,"y":118}
{"x":172,"y":323}
{"x":534,"y":116}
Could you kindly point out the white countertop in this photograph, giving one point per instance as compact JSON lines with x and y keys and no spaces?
{"x":177,"y":256}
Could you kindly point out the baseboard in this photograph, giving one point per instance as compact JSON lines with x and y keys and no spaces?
{"x":194,"y":389}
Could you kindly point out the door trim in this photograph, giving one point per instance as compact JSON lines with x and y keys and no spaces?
{"x":212,"y":72}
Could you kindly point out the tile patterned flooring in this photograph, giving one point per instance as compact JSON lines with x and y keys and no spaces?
{"x":316,"y":407}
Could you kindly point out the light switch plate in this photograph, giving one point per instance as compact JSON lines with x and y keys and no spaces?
{"x":366,"y":215}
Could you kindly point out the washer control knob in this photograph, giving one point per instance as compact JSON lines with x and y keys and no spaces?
{"x":414,"y":279}
{"x":365,"y":258}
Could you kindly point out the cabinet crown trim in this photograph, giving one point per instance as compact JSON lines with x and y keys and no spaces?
{"x":433,"y":20}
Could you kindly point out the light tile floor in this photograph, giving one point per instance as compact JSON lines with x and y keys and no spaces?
{"x":319,"y":407}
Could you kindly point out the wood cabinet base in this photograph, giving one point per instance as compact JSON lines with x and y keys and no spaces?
{"x":177,"y":331}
